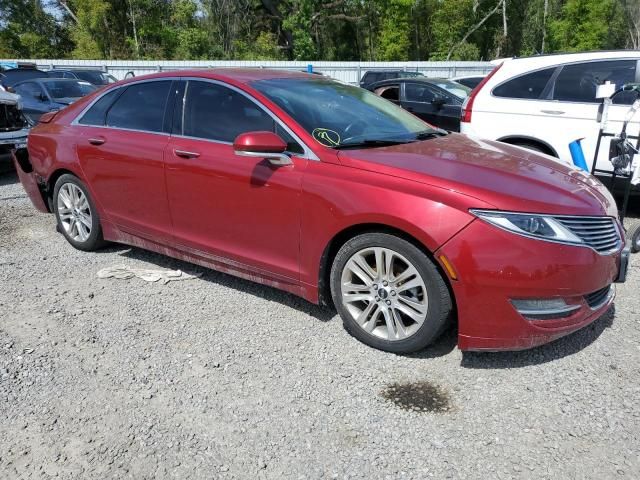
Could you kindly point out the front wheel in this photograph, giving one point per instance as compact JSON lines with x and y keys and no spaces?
{"x":389,"y":294}
{"x":76,"y":214}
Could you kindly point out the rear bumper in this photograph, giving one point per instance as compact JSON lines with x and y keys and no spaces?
{"x":27,"y":177}
{"x":495,"y":267}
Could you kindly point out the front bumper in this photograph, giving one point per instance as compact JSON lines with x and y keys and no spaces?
{"x":494,"y":266}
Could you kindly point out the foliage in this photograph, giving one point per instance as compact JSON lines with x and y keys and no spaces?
{"x":313,"y":29}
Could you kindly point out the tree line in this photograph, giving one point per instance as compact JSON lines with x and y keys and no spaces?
{"x":313,"y":29}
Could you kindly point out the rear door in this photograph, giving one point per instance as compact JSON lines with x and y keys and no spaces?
{"x":121,"y":147}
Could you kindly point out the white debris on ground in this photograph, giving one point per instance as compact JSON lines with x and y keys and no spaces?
{"x":125,"y":272}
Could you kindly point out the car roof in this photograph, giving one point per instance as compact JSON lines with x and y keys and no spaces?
{"x":561,"y":58}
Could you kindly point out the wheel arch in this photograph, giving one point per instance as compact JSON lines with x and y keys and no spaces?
{"x":51,"y":183}
{"x":525,"y":139}
{"x":340,"y":238}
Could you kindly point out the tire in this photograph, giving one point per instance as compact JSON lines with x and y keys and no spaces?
{"x":633,"y":234}
{"x":76,"y":214}
{"x":402,"y":311}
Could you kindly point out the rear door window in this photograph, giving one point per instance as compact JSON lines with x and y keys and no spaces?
{"x":578,"y":82}
{"x":96,"y":114}
{"x":141,"y":107}
{"x":529,"y":86}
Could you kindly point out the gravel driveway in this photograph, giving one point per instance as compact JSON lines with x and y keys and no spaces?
{"x":221,"y":378}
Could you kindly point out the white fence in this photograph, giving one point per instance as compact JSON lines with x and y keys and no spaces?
{"x":346,"y":71}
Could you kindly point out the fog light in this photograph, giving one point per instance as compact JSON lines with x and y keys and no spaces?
{"x":544,"y":309}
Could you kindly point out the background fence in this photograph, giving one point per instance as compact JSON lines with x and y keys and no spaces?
{"x":346,"y":71}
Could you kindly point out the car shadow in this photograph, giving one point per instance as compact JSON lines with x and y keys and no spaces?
{"x":8,"y":177}
{"x":324,"y":314}
{"x":556,"y":350}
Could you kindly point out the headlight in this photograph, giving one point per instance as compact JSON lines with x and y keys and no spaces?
{"x":542,"y":227}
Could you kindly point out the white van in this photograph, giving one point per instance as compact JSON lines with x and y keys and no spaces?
{"x":545,"y":102}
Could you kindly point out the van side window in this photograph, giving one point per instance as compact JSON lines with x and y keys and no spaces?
{"x":528,"y":87}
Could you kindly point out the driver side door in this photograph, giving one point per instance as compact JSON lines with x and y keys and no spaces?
{"x":242,"y":212}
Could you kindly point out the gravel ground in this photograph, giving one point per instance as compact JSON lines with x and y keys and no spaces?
{"x":222,"y":378}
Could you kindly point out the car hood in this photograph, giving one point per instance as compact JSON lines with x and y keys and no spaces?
{"x":507,"y":177}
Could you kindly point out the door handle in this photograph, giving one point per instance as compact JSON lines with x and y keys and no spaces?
{"x":552,"y":112}
{"x":186,"y":154}
{"x":96,"y":141}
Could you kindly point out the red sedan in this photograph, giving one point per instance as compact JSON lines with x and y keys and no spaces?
{"x":332,"y":193}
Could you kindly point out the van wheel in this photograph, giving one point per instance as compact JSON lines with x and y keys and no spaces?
{"x":533,"y":147}
{"x":389,"y":294}
{"x":76,"y":214}
{"x":633,"y":234}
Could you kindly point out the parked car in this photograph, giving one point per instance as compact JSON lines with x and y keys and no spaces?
{"x":436,"y":100}
{"x":14,"y":127}
{"x":471,"y":81}
{"x":13,"y":76}
{"x":329,"y":192}
{"x":94,"y":77}
{"x":545,"y":102}
{"x":50,"y":94}
{"x":374,"y":76}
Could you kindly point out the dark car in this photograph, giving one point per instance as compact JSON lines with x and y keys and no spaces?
{"x":374,"y":76}
{"x":14,"y":127}
{"x":435,"y":100}
{"x":94,"y":77}
{"x":43,"y":95}
{"x":13,"y":76}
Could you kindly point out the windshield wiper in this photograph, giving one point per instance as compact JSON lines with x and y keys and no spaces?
{"x":373,"y":142}
{"x":427,"y":134}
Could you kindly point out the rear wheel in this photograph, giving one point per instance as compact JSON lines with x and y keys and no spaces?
{"x":76,"y":214}
{"x":389,"y":294}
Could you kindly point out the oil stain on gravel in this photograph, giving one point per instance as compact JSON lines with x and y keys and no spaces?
{"x":418,"y":397}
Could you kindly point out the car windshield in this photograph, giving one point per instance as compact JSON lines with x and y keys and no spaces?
{"x":338,"y":115}
{"x":68,"y":89}
{"x":455,"y":88}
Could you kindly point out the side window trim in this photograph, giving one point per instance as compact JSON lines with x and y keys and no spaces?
{"x":308,"y":153}
{"x":122,"y":88}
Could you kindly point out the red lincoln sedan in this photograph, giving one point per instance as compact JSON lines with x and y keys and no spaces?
{"x":332,"y":193}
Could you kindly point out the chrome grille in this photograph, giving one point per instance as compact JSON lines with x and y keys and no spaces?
{"x":600,"y":233}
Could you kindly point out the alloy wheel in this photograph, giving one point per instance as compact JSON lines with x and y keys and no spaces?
{"x":74,"y":212}
{"x":384,"y":293}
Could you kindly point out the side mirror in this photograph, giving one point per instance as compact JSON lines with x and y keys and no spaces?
{"x":262,"y":145}
{"x":438,"y":101}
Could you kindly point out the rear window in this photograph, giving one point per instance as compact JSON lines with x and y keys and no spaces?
{"x":528,"y":86}
{"x":141,"y":107}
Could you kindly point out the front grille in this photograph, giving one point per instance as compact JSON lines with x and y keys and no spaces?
{"x":598,"y":298}
{"x":600,"y":233}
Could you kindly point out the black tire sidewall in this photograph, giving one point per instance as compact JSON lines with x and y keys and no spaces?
{"x":440,"y":304}
{"x":95,"y":239}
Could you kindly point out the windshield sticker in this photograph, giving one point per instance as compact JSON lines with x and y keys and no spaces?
{"x":329,"y":138}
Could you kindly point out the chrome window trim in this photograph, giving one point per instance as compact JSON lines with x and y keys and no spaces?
{"x":308,"y":153}
{"x":76,"y":120}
